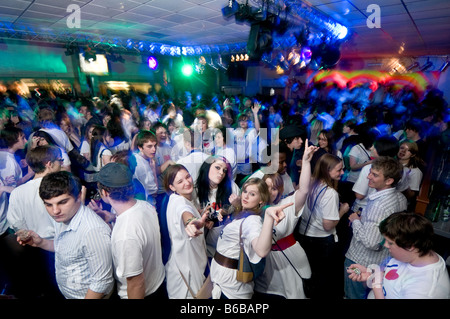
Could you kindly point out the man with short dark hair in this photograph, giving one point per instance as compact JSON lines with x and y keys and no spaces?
{"x":135,"y":238}
{"x":366,"y":246}
{"x":27,"y":211}
{"x":294,"y":136}
{"x":82,"y":242}
{"x":146,"y":171}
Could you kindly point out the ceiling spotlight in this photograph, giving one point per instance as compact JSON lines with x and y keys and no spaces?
{"x":341,"y":31}
{"x":443,"y":67}
{"x":427,"y":65}
{"x":412,"y":66}
{"x":89,"y":55}
{"x":187,"y":70}
{"x":152,"y":63}
{"x":230,"y":9}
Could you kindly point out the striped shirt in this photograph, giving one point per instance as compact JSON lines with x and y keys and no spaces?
{"x":83,"y":258}
{"x":366,"y":246}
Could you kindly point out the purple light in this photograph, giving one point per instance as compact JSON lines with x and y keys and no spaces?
{"x":152,"y":63}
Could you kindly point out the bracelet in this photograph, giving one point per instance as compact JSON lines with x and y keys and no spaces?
{"x":189,"y":220}
{"x":377,"y":285}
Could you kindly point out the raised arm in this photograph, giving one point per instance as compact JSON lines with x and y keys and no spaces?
{"x":255,"y":109}
{"x":263,"y":243}
{"x":305,"y":177}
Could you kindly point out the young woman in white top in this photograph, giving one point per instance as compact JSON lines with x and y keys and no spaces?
{"x":85,"y":148}
{"x":185,"y":227}
{"x":100,"y":154}
{"x":318,"y":227}
{"x":287,"y":263}
{"x":256,"y":236}
{"x":220,"y":136}
{"x":214,"y":187}
{"x":408,"y":156}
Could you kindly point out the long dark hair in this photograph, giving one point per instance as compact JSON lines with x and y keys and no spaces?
{"x":202,"y":186}
{"x":96,"y":142}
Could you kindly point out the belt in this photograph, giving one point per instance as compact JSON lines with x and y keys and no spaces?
{"x":225,"y":261}
{"x":284,"y":243}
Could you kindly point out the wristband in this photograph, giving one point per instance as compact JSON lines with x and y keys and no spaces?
{"x":189,"y":220}
{"x":376,"y":285}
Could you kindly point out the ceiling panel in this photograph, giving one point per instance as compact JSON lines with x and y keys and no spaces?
{"x":423,"y":24}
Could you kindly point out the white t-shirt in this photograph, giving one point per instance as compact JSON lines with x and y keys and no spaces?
{"x":103,"y":151}
{"x":145,"y":175}
{"x":162,"y":155}
{"x":212,"y":235}
{"x":3,"y":210}
{"x":361,"y":155}
{"x":404,"y":281}
{"x":280,"y":277}
{"x":414,"y":178}
{"x":136,"y":248}
{"x":243,"y":144}
{"x":27,"y":210}
{"x":224,"y":279}
{"x":85,"y":149}
{"x":186,"y":255}
{"x":9,"y":167}
{"x":326,"y":207}
{"x":60,"y":138}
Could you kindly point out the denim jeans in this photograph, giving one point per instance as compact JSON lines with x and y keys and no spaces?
{"x":353,"y":289}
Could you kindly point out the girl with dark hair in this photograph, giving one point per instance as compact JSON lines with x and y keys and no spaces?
{"x":40,"y":138}
{"x":327,"y":142}
{"x":214,"y":186}
{"x":220,"y":147}
{"x":116,"y":137}
{"x":318,"y":227}
{"x":100,"y":154}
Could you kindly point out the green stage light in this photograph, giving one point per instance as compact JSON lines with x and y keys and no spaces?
{"x":187,"y":70}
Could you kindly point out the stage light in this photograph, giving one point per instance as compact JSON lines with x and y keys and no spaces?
{"x":152,"y":63}
{"x":306,"y":54}
{"x":427,"y":65}
{"x":412,"y":66}
{"x":341,"y":31}
{"x":187,"y":70}
{"x":230,"y":9}
{"x":443,"y":67}
{"x":89,"y":55}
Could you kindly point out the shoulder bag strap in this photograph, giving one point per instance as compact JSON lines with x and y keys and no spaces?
{"x":364,"y":151}
{"x":287,"y":258}
{"x":187,"y":283}
{"x":312,"y":209}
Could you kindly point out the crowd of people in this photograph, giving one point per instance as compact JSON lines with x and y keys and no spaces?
{"x":154,"y":196}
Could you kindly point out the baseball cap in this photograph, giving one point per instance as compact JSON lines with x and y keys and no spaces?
{"x":292,"y":131}
{"x":114,"y":175}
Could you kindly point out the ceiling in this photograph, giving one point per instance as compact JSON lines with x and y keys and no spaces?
{"x":408,"y":27}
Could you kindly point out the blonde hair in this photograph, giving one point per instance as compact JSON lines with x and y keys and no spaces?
{"x":264,"y":194}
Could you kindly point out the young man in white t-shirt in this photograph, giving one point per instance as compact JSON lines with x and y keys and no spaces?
{"x":146,"y":171}
{"x":27,"y":211}
{"x":135,"y":238}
